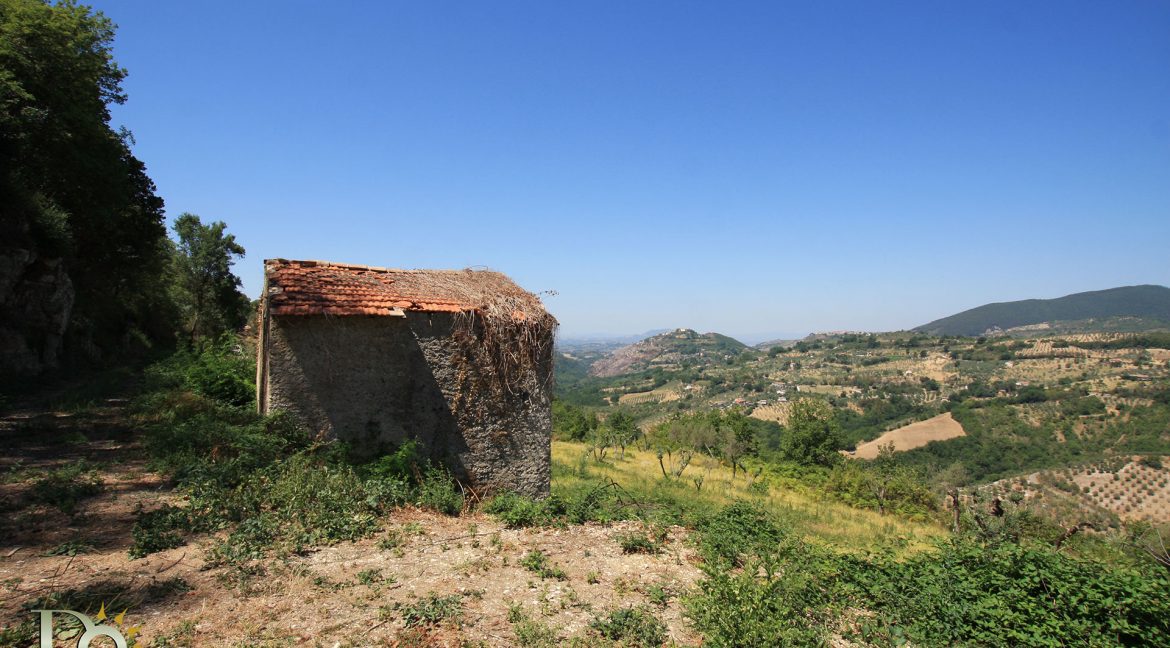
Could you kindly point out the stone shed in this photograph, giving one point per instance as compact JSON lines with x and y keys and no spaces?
{"x":458,"y":360}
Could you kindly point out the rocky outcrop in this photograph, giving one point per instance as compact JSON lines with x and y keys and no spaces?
{"x":36,"y":300}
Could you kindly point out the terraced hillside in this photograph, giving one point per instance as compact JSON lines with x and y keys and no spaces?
{"x":995,"y":407}
{"x":671,"y":350}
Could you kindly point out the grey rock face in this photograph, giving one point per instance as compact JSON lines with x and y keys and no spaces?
{"x":36,"y":300}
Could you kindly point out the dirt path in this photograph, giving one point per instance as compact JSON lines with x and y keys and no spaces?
{"x":341,"y":595}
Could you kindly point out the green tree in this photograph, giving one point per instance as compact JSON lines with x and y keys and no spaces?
{"x":811,"y":436}
{"x":571,"y":422}
{"x":207,"y":291}
{"x":70,"y":188}
{"x":622,"y":431}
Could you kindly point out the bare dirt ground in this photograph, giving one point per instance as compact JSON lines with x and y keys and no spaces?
{"x":349,"y":594}
{"x":908,"y":437}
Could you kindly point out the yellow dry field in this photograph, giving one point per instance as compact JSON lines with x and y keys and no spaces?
{"x":933,"y":366}
{"x":1159,"y":355}
{"x":915,"y":435}
{"x":777,"y":412}
{"x":815,"y":518}
{"x":828,"y":390}
{"x":1045,"y":349}
{"x":664,"y":394}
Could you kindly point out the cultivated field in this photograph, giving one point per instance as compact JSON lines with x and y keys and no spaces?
{"x":915,"y":435}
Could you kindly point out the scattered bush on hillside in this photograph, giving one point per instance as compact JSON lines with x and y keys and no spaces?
{"x":265,"y":478}
{"x":739,"y":531}
{"x":1012,"y":592}
{"x":882,"y":485}
{"x":584,"y":501}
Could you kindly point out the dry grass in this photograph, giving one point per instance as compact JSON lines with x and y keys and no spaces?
{"x":665,"y":394}
{"x":777,"y":412}
{"x":818,"y":520}
{"x":915,"y":435}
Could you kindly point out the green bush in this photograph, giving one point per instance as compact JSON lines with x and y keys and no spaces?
{"x":224,"y":371}
{"x":632,"y":627}
{"x":1013,"y":595}
{"x":536,"y":562}
{"x":437,"y":491}
{"x":433,"y":610}
{"x":518,"y":511}
{"x":158,"y":530}
{"x":737,"y":532}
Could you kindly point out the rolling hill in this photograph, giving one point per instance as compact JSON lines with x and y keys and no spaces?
{"x":1126,"y":308}
{"x":668,"y":350}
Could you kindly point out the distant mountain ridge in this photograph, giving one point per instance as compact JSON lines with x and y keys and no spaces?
{"x":603,"y":342}
{"x":668,"y":349}
{"x":1147,"y":305}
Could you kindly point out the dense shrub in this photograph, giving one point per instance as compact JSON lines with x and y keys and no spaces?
{"x":736,"y":533}
{"x":1015,"y":595}
{"x":1007,"y":591}
{"x":634,"y":627}
{"x":158,"y":530}
{"x":518,"y":511}
{"x":265,"y":478}
{"x":224,"y":371}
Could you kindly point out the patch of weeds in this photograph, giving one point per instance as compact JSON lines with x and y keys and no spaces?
{"x":658,"y":595}
{"x":370,"y":577}
{"x":392,"y":540}
{"x":593,"y":578}
{"x":633,"y":627}
{"x":432,"y":610}
{"x":176,"y":585}
{"x":474,"y":565}
{"x":302,"y":502}
{"x":327,"y":584}
{"x":70,"y":548}
{"x":642,"y":541}
{"x":242,"y":576}
{"x":181,"y":637}
{"x":413,"y":528}
{"x":65,"y":487}
{"x":529,"y":632}
{"x":437,"y":491}
{"x":536,"y":562}
{"x":22,"y":634}
{"x":518,"y":511}
{"x":158,"y":530}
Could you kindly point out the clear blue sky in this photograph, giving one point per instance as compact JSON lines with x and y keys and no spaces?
{"x":750,"y":168}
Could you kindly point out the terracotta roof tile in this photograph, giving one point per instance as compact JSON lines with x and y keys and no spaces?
{"x":323,"y":288}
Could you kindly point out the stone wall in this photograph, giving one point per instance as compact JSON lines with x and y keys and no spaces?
{"x":376,"y":381}
{"x":36,"y":300}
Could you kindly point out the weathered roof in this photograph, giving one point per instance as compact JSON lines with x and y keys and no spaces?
{"x":324,"y":288}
